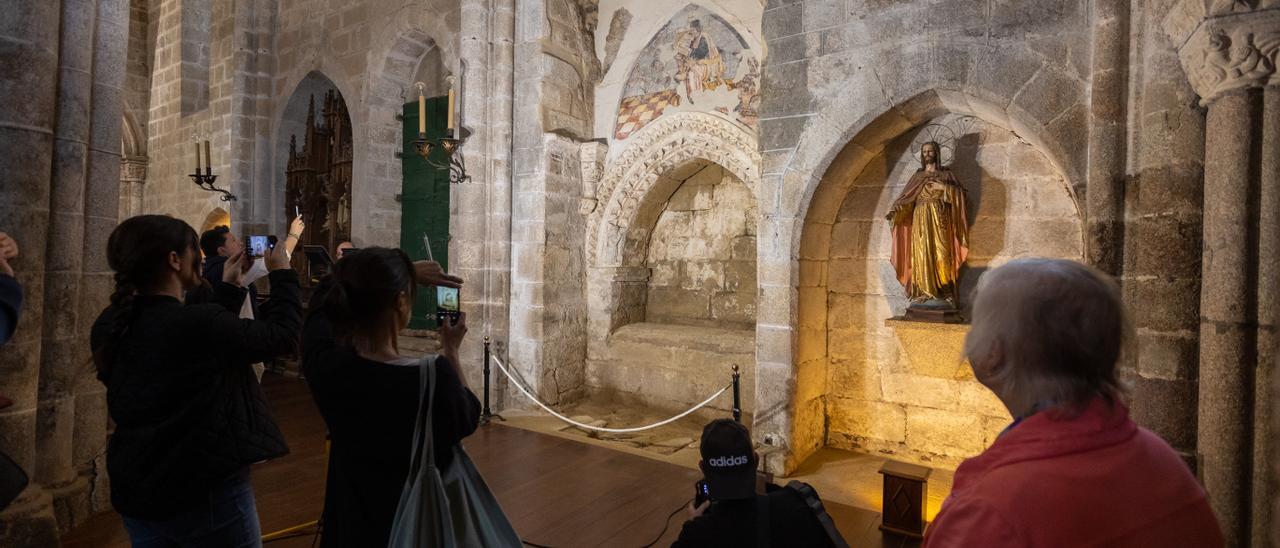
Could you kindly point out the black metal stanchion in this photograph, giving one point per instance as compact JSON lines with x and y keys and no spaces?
{"x":485,"y":414}
{"x":737,"y":395}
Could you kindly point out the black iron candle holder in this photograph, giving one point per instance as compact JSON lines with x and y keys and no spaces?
{"x":457,"y":165}
{"x":205,"y":182}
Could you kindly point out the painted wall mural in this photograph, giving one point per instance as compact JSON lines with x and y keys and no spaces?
{"x":697,"y":62}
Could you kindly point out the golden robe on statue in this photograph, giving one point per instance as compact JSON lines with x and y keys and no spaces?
{"x":930,"y":235}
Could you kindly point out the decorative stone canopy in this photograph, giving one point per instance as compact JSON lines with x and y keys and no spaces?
{"x":1225,"y":45}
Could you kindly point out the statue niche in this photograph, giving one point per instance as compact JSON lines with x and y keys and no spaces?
{"x":930,"y":238}
{"x":318,"y":179}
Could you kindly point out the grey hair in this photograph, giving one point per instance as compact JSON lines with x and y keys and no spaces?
{"x":1059,"y":327}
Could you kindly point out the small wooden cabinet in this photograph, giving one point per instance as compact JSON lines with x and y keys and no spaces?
{"x":906,"y":490}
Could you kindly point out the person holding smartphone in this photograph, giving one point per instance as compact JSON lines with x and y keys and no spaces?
{"x":10,"y":289}
{"x":368,"y":392}
{"x":189,"y":417}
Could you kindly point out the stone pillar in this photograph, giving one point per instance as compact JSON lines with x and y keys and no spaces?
{"x":1104,"y":200}
{"x":1162,"y":241}
{"x":29,"y":34}
{"x":1227,"y":51}
{"x":64,"y":256}
{"x":1265,"y":485}
{"x":1227,"y":339}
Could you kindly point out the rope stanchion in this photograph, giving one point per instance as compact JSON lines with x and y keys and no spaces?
{"x":502,"y":367}
{"x":485,"y":414}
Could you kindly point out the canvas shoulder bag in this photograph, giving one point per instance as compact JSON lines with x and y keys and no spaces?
{"x":452,"y":510}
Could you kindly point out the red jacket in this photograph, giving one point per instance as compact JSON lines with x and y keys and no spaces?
{"x":1093,"y":480}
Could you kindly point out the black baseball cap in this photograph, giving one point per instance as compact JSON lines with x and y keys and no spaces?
{"x":728,"y":460}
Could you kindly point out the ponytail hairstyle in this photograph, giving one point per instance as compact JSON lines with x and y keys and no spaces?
{"x":138,"y":251}
{"x":361,"y":304}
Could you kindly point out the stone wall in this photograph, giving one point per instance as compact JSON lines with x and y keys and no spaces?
{"x":555,"y":71}
{"x":842,"y":79}
{"x":703,"y":254}
{"x":902,"y":388}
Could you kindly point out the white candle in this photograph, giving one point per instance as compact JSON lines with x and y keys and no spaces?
{"x":207,"y":168}
{"x":422,"y":112}
{"x":197,"y":144}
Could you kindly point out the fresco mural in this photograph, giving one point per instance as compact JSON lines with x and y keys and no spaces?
{"x":697,"y":62}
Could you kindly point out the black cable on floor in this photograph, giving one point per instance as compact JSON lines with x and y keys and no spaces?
{"x":666,"y":525}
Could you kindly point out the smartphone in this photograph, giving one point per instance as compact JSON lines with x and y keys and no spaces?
{"x":258,"y":245}
{"x":447,"y":305}
{"x":701,"y":493}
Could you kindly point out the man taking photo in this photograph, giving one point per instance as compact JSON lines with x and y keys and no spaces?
{"x":735,"y":516}
{"x":218,"y":243}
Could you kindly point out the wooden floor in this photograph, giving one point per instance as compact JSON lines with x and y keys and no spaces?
{"x":557,"y":492}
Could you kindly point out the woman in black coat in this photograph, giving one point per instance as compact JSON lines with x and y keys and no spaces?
{"x":190,"y":417}
{"x":368,"y":393}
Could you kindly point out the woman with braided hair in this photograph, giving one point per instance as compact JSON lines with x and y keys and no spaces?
{"x":189,"y":420}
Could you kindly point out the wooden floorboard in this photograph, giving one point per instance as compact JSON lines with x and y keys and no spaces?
{"x":557,"y":492}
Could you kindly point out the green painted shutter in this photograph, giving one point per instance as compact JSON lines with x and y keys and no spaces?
{"x":424,"y":202}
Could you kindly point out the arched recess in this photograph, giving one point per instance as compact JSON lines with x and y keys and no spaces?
{"x":315,"y":178}
{"x":635,"y":191}
{"x":217,"y":217}
{"x":817,"y":201}
{"x":409,"y":48}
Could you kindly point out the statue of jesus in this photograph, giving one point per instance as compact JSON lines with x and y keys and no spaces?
{"x":930,"y":233}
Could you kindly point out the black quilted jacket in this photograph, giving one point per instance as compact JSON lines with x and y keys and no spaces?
{"x":188,"y":410}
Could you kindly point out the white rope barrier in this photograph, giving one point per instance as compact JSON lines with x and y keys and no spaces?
{"x":544,"y":406}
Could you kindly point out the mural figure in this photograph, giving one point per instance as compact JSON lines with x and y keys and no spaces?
{"x":698,"y":61}
{"x":930,"y":238}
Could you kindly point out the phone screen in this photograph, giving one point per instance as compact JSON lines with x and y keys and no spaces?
{"x":447,"y":299}
{"x":258,"y":246}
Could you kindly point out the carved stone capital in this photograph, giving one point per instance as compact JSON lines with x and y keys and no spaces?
{"x":133,"y":169}
{"x":1225,"y":45}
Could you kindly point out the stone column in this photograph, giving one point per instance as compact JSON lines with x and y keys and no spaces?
{"x":1227,"y":301}
{"x":1265,"y":485}
{"x":1227,"y":51}
{"x":1104,"y":201}
{"x":64,"y":257}
{"x":29,"y":36}
{"x":1162,"y":240}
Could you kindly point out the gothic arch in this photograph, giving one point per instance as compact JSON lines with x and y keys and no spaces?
{"x":630,"y":190}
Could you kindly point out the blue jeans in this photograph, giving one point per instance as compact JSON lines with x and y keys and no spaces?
{"x":230,"y":519}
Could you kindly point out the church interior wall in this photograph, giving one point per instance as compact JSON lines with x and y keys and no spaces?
{"x":838,"y":74}
{"x":593,"y":221}
{"x":902,"y":388}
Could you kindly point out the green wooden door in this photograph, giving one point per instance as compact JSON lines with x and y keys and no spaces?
{"x":424,"y":202}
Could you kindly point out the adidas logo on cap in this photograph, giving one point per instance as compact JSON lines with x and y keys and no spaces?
{"x":725,"y":462}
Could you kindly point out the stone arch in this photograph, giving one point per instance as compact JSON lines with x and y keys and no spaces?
{"x":217,"y":217}
{"x":291,"y":121}
{"x":631,"y":190}
{"x":396,"y":60}
{"x":842,"y":138}
{"x":133,"y":139}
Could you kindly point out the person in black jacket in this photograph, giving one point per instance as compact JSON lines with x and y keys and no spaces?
{"x":368,"y":393}
{"x":189,"y":416}
{"x":731,"y":516}
{"x":10,"y":290}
